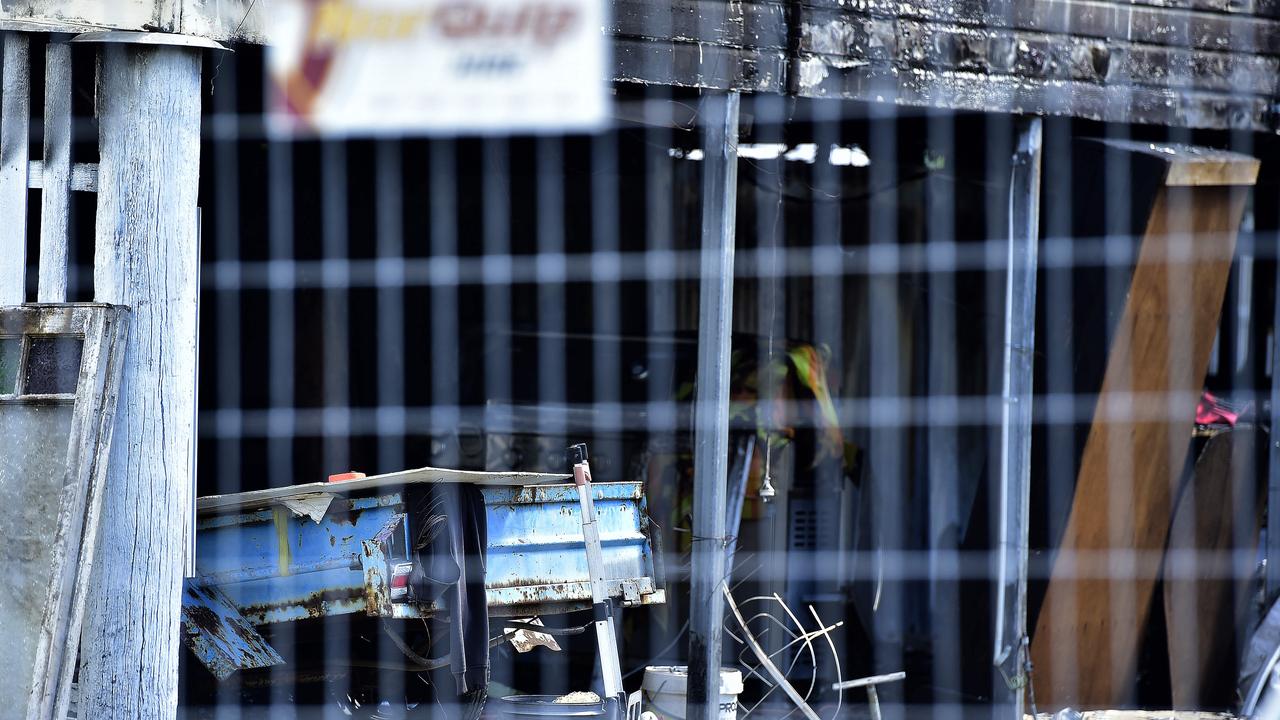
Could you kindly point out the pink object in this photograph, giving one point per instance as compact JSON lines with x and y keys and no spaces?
{"x":1215,"y":411}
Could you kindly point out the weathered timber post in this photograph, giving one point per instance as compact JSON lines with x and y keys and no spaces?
{"x":146,"y":258}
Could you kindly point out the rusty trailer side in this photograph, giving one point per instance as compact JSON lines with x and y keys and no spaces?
{"x":305,"y":557}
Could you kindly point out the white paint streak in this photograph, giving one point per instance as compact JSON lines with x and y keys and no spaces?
{"x":812,"y":72}
{"x":145,"y":257}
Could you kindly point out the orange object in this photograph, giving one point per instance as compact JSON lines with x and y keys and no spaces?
{"x":343,"y":477}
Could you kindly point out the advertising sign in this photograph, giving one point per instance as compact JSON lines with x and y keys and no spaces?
{"x":379,"y":67}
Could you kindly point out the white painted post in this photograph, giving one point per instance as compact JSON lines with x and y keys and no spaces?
{"x":146,"y":257}
{"x":15,"y":119}
{"x":55,"y":193}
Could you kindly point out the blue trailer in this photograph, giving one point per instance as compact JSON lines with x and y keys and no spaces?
{"x":354,"y":548}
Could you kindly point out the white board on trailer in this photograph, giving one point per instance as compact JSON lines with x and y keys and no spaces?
{"x":263,"y":498}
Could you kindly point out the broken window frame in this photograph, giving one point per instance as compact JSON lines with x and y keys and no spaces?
{"x":101,"y":328}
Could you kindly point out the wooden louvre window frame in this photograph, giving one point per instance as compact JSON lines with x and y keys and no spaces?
{"x":101,"y":330}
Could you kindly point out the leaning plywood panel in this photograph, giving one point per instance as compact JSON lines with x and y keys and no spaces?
{"x":1098,"y":600}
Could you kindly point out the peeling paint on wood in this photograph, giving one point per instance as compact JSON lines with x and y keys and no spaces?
{"x":146,"y":257}
{"x":84,"y":176}
{"x":15,"y":119}
{"x":70,"y":552}
{"x":55,"y":201}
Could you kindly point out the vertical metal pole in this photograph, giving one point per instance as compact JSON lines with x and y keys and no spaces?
{"x":1015,"y":421}
{"x":711,"y":402}
{"x":145,"y":257}
{"x":606,"y":634}
{"x":1273,"y":473}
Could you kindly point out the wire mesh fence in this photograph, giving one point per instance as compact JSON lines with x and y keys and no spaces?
{"x":481,"y":303}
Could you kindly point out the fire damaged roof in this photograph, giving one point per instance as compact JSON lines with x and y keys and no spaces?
{"x":1194,"y":63}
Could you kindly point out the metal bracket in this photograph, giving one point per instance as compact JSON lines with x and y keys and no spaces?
{"x":630,"y":593}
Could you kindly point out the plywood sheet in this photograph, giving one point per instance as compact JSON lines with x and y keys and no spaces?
{"x":1095,"y":610}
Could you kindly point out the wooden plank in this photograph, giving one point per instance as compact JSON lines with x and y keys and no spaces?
{"x":1088,"y":18}
{"x":55,"y":196}
{"x":15,"y":120}
{"x":94,"y":431}
{"x":821,"y":76}
{"x":742,"y":24}
{"x":1095,"y":609}
{"x":255,"y":499}
{"x":1204,"y":597}
{"x":1191,"y":165}
{"x":686,"y":64}
{"x":146,"y":257}
{"x":938,"y":45}
{"x":1261,"y":8}
{"x":84,"y":176}
{"x":71,"y":532}
{"x":245,"y":20}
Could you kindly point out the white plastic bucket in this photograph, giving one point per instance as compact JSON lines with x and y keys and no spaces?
{"x":665,"y":686}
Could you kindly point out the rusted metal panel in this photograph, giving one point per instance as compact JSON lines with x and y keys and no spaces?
{"x":531,"y":599}
{"x":275,"y":566}
{"x":377,"y":570}
{"x":536,"y":553}
{"x":222,"y":638}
